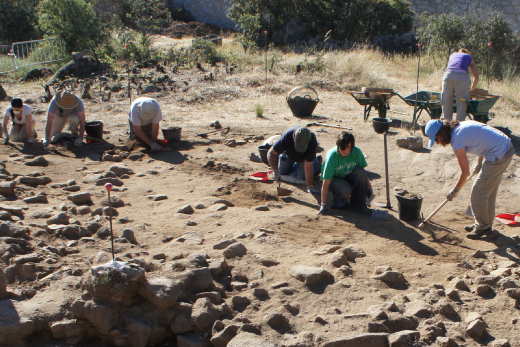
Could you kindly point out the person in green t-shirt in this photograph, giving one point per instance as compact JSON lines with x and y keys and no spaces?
{"x":344,"y":175}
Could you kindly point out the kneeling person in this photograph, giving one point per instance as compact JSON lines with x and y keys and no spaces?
{"x":344,"y":175}
{"x":64,"y":108}
{"x":296,"y":150}
{"x":144,"y":118}
{"x":23,"y":120}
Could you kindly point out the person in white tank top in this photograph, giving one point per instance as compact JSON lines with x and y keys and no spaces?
{"x":23,"y":122}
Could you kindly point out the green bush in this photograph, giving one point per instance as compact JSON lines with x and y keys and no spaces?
{"x":474,"y":30}
{"x":358,"y":20}
{"x":72,"y":20}
{"x":17,"y":20}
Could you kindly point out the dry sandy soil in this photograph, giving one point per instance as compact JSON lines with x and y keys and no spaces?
{"x":426,"y":256}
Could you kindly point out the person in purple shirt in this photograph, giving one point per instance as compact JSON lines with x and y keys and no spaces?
{"x":456,"y":82}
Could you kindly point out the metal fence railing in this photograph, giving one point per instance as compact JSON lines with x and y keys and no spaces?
{"x":29,"y":53}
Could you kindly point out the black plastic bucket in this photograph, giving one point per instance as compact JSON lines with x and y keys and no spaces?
{"x":263,"y":153}
{"x":409,"y":208}
{"x":94,"y":129}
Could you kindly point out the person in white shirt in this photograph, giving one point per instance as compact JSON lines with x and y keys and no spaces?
{"x":65,"y":108}
{"x":144,"y":118}
{"x":24,"y":124}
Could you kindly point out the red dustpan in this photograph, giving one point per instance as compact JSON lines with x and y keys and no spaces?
{"x":508,"y":218}
{"x":261,"y":176}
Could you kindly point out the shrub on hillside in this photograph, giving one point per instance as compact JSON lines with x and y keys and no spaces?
{"x":72,"y":20}
{"x":356,"y":20}
{"x":17,"y":21}
{"x":474,"y":30}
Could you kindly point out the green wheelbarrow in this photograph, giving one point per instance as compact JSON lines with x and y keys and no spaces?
{"x":431,"y":102}
{"x":377,"y":98}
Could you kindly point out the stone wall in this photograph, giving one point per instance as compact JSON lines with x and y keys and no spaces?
{"x":208,"y":11}
{"x":215,"y":11}
{"x":510,"y":8}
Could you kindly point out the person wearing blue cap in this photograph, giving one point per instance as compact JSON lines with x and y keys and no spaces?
{"x":344,"y":175}
{"x":295,"y":154}
{"x":495,"y":152}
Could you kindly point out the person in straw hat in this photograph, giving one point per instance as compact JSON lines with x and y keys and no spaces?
{"x":64,"y":108}
{"x":23,"y":120}
{"x":144,"y":118}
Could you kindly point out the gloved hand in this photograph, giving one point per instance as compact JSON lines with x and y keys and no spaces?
{"x":478,"y":166}
{"x":155,"y":146}
{"x":324,"y":209}
{"x":6,"y":138}
{"x":78,"y":142}
{"x":277,"y":176}
{"x":453,"y":193}
{"x":311,"y":190}
{"x":46,"y":142}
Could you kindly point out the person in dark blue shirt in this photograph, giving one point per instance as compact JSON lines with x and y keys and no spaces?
{"x":295,"y":154}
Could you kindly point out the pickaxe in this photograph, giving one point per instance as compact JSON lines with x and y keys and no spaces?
{"x":226,"y":130}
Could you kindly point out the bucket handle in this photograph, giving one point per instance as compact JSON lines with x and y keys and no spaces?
{"x":304,"y":87}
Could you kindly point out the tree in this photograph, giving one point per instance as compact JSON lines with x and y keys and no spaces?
{"x":359,"y":20}
{"x":72,"y":20}
{"x":17,"y":20}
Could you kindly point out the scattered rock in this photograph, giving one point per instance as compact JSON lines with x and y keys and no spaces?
{"x":81,"y":198}
{"x":235,"y":250}
{"x":38,"y":199}
{"x":392,"y":277}
{"x":477,"y":328}
{"x":121,"y":169}
{"x":129,"y":235}
{"x":7,"y":188}
{"x":186,"y":209}
{"x":34,"y":181}
{"x":310,"y":275}
{"x":38,"y":161}
{"x":59,"y":218}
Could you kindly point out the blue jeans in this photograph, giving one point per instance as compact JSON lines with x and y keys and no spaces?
{"x":288,"y":167}
{"x":354,"y":186}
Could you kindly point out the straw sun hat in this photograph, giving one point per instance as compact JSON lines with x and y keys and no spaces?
{"x":66,"y":99}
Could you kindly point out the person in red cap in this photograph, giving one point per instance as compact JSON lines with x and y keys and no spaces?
{"x":64,"y":108}
{"x":23,"y":120}
{"x":144,"y":118}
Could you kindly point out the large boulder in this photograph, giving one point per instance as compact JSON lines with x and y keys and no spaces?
{"x":160,"y":291}
{"x":249,"y":340}
{"x":103,"y":317}
{"x":204,"y":314}
{"x":362,"y":340}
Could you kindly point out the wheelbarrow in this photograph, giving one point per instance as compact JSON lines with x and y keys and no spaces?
{"x":377,"y":98}
{"x":479,"y":107}
{"x":431,"y":102}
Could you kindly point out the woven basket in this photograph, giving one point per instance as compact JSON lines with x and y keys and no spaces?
{"x":302,"y":104}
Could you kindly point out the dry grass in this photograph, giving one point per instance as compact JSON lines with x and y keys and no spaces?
{"x":352,"y":70}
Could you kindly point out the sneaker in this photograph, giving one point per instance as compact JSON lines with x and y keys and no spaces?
{"x":469,"y":228}
{"x":478,"y":234}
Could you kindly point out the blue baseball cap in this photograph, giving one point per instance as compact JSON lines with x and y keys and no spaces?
{"x":431,"y":130}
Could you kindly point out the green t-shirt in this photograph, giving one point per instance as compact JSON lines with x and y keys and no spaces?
{"x":335,"y":165}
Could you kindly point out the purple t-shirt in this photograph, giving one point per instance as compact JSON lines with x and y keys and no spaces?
{"x":459,"y":62}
